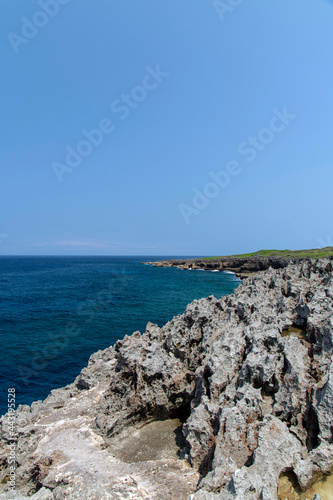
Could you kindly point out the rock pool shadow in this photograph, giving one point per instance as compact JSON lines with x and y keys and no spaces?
{"x":289,"y":488}
{"x":156,"y":440}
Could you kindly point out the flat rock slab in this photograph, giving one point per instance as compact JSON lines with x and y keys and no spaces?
{"x":154,"y":441}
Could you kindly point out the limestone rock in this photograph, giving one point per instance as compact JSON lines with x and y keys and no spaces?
{"x":249,"y":377}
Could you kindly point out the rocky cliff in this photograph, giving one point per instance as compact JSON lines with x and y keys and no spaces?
{"x":220,"y":403}
{"x":242,"y":266}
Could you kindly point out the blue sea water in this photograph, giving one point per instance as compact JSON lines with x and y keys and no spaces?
{"x":56,"y":311}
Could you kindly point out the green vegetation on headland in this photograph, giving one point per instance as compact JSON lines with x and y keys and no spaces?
{"x":245,"y":265}
{"x":292,"y":254}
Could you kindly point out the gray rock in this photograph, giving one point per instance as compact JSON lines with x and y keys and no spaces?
{"x":250,"y":376}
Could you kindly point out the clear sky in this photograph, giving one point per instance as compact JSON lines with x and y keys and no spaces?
{"x":169,"y":127}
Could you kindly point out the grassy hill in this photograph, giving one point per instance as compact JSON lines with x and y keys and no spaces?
{"x":293,"y":254}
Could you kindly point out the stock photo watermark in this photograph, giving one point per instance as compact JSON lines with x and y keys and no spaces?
{"x":121,"y":108}
{"x":10,"y":431}
{"x":30,"y":27}
{"x":325,"y":242}
{"x":249,"y":149}
{"x":55,"y":343}
{"x":3,"y":236}
{"x":224,"y":8}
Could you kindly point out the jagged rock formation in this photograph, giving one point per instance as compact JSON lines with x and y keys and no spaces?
{"x":241,"y":266}
{"x":250,"y":376}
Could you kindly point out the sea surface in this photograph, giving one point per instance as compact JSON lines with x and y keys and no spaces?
{"x":56,"y":311}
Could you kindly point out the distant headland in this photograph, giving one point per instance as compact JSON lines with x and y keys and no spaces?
{"x":245,"y":265}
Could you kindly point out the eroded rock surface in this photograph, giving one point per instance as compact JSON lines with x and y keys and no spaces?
{"x":249,"y":376}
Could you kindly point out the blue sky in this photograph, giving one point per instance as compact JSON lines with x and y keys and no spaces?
{"x":180,"y":91}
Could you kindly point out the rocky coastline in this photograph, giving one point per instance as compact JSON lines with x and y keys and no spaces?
{"x":231,"y":400}
{"x":243,"y":267}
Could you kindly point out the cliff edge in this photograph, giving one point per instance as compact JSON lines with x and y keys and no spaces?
{"x":241,"y":266}
{"x":246,"y":265}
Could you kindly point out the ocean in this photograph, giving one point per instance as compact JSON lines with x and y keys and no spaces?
{"x":56,"y":311}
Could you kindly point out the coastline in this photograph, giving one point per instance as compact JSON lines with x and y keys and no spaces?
{"x":103,"y":289}
{"x":242,"y":267}
{"x":245,"y":380}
